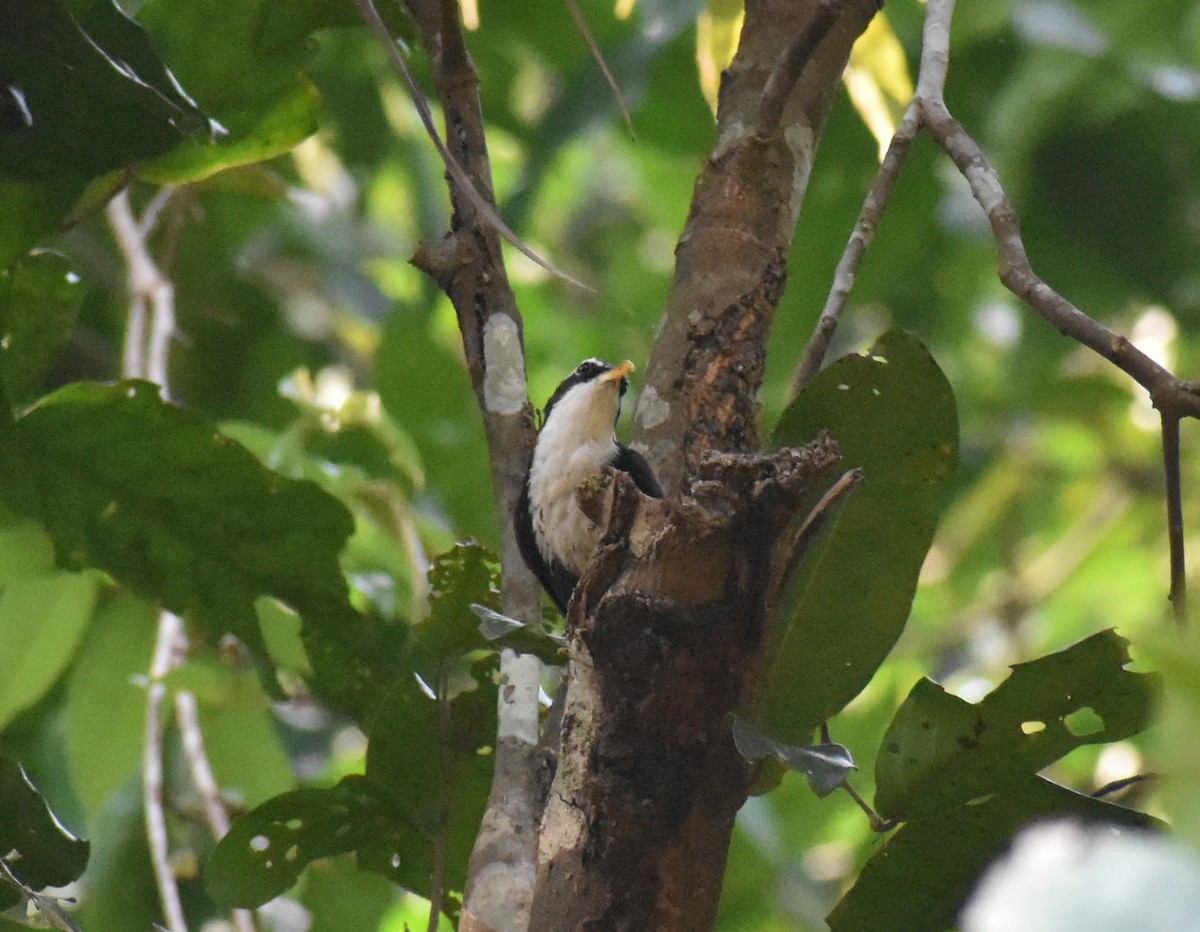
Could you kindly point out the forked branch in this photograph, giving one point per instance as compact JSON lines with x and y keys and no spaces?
{"x":1173,"y":397}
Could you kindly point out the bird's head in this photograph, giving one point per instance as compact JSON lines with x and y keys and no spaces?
{"x":588,"y":402}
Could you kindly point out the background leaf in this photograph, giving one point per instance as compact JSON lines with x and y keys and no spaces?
{"x":155,"y":496}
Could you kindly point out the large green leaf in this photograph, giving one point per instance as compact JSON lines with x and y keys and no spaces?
{"x":40,"y":297}
{"x":964,"y":777}
{"x":39,"y":852}
{"x":42,"y":619}
{"x":941,"y":751}
{"x":86,"y":94}
{"x":921,"y":877}
{"x":893,"y":415}
{"x":153,"y":495}
{"x":244,"y":62}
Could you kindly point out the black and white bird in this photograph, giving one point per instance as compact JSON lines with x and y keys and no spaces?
{"x":576,"y":441}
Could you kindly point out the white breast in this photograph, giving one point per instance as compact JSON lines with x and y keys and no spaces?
{"x":575,"y":443}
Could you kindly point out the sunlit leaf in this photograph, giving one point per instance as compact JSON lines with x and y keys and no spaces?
{"x":941,"y":751}
{"x":718,"y":29}
{"x":39,"y":852}
{"x":279,"y":130}
{"x":893,"y":415}
{"x":878,"y":80}
{"x":43,"y":615}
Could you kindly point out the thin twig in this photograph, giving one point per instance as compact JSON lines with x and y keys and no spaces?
{"x":581,"y":24}
{"x":437,"y":880}
{"x":878,"y":823}
{"x":187,"y":717}
{"x":169,"y":648}
{"x":1170,"y":444}
{"x":864,"y":232}
{"x":151,"y":297}
{"x":462,"y":180}
{"x":1116,"y":786}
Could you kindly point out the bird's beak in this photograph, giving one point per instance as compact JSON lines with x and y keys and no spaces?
{"x":617,"y":373}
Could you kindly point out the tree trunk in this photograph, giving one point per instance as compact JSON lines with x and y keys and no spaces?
{"x":665,"y":626}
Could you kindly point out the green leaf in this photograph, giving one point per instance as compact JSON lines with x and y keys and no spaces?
{"x":39,"y":852}
{"x":42,"y":619}
{"x":86,"y":95}
{"x":106,"y":700}
{"x":465,"y":575}
{"x":40,"y":297}
{"x":32,"y":209}
{"x":437,"y":768}
{"x":893,"y":415}
{"x":265,"y":850}
{"x":941,"y":751}
{"x":153,"y":495}
{"x":936,"y":860}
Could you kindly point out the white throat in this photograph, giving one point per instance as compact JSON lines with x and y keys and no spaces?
{"x":574,"y":444}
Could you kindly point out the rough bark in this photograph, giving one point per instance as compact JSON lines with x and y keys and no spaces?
{"x":664,"y":627}
{"x":707,"y":362}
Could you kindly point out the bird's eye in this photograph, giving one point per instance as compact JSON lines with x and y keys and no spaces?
{"x":624,"y":386}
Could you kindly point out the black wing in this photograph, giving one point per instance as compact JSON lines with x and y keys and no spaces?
{"x":632,"y":462}
{"x":556,"y":579}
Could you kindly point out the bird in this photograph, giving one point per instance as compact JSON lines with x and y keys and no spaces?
{"x":576,"y":441}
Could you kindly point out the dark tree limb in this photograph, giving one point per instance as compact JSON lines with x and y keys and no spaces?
{"x":468,"y":266}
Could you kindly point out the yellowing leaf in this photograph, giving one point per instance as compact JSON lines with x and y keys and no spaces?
{"x":717,"y":30}
{"x":878,"y":80}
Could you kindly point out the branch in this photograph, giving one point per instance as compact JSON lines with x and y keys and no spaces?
{"x":463,"y":181}
{"x":169,"y":649}
{"x":864,"y":232}
{"x":187,"y":718}
{"x":468,"y":266}
{"x":707,"y":363}
{"x":1173,"y":397}
{"x":151,"y":294}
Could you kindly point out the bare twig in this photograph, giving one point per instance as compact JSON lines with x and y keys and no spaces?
{"x":1170,"y":443}
{"x":187,"y":717}
{"x":1173,"y":397}
{"x":169,"y":649}
{"x":864,"y":232}
{"x":581,"y":24}
{"x":462,"y":180}
{"x":151,"y":296}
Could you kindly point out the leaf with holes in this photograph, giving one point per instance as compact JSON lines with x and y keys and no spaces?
{"x":266,"y":850}
{"x":893,"y":415}
{"x":941,"y":751}
{"x":38,"y":851}
{"x":152,"y":494}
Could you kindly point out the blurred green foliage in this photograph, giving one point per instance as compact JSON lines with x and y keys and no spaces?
{"x":302,"y":329}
